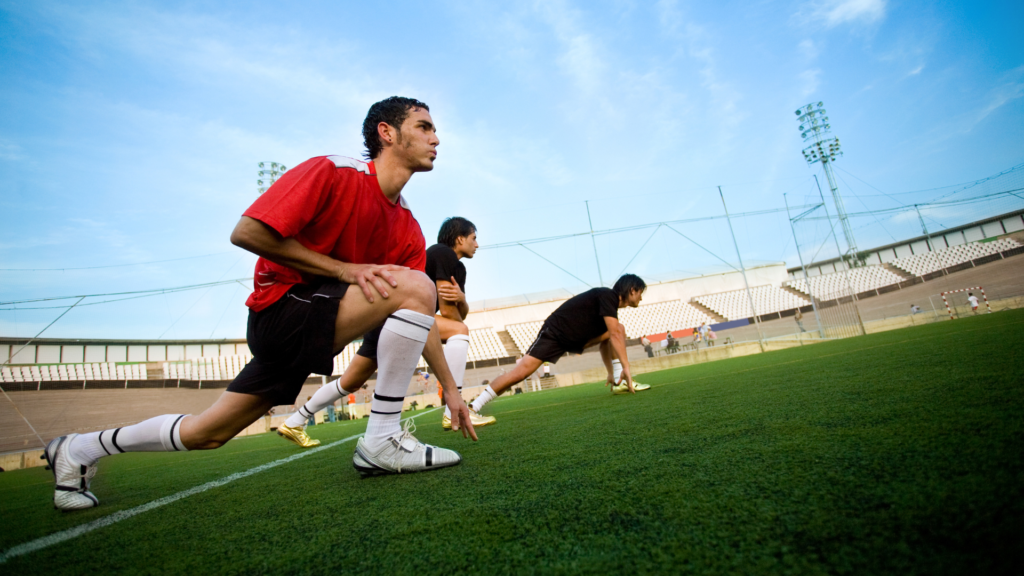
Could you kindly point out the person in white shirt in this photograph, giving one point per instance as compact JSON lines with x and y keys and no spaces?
{"x":914,"y":308}
{"x":974,"y":302}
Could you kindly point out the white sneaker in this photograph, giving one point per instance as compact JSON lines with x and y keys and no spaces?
{"x":71,"y":478}
{"x":402,"y":453}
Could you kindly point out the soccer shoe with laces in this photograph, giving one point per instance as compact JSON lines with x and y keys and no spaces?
{"x":297,"y":436}
{"x":400,"y":454}
{"x":71,"y":478}
{"x":624,"y":388}
{"x":476,"y":418}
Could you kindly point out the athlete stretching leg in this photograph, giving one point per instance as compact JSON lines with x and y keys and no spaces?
{"x":456,"y":240}
{"x":585,"y":320}
{"x":302,"y":313}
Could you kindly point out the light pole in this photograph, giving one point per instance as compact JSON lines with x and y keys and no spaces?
{"x":814,"y":127}
{"x":268,"y":174}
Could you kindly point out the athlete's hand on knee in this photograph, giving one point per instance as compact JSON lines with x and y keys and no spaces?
{"x":366,"y":275}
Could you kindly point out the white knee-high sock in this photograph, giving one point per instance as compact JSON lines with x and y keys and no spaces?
{"x":486,"y":396}
{"x":616,"y":369}
{"x":323,"y":398}
{"x":159,"y":434}
{"x":455,"y":353}
{"x":398,"y":351}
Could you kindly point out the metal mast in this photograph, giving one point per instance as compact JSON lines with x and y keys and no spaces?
{"x":814,"y":128}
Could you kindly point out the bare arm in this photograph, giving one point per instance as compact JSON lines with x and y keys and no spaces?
{"x":451,"y":300}
{"x":256,"y":237}
{"x":433,"y":353}
{"x":617,"y":338}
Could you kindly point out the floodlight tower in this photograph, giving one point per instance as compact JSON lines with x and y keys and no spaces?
{"x":268,"y":174}
{"x":814,"y":127}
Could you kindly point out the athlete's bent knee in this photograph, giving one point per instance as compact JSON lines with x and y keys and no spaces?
{"x":418,"y":287}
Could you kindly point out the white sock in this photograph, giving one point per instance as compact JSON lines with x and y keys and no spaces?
{"x":398,"y":351}
{"x":486,"y":396}
{"x":159,"y":434}
{"x":616,"y":369}
{"x":323,"y":398}
{"x":455,"y":353}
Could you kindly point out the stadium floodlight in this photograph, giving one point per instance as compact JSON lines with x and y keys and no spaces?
{"x":814,"y":129}
{"x":268,"y":174}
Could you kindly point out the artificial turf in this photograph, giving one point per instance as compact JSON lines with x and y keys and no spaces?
{"x":900,"y":452}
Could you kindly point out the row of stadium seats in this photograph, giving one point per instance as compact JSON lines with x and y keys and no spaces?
{"x":735,"y":304}
{"x":219,"y":368}
{"x":70,"y":372}
{"x":484,"y":344}
{"x":661,"y":317}
{"x":524,"y":334}
{"x":921,"y":264}
{"x":831,"y":286}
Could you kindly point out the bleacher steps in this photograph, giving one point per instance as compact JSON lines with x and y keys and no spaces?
{"x":794,"y":291}
{"x":707,"y":310}
{"x":898,"y":271}
{"x":509,"y":343}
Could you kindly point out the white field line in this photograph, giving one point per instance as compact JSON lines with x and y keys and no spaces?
{"x":70,"y":533}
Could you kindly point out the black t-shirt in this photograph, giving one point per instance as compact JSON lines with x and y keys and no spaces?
{"x":443,"y":264}
{"x":581,"y":318}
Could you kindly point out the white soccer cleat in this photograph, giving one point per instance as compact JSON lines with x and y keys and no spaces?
{"x":71,"y":478}
{"x":402,"y":453}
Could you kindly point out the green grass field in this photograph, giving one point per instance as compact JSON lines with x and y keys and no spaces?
{"x":900,"y":452}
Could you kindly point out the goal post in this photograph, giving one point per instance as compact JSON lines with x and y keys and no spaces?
{"x":945,"y":300}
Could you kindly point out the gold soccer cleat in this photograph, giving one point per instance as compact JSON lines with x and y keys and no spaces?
{"x":477,"y":419}
{"x":624,"y":388}
{"x":297,"y":436}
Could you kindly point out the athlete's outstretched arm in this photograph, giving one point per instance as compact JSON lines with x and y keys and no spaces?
{"x":256,"y":237}
{"x":433,"y":353}
{"x":617,"y":337}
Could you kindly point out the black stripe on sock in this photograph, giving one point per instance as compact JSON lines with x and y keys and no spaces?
{"x":82,"y":471}
{"x":101,"y":444}
{"x":305,"y":412}
{"x":113,"y":440}
{"x":430,"y":456}
{"x":385,"y":413}
{"x":427,"y":328}
{"x":173,"y":426}
{"x":388,"y":398}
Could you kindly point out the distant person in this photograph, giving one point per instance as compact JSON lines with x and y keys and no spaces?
{"x":587,"y":319}
{"x":800,"y":320}
{"x":914,"y":309}
{"x":974,"y":302}
{"x":647,"y":346}
{"x":670,"y":342}
{"x":328,"y":224}
{"x":711,"y":337}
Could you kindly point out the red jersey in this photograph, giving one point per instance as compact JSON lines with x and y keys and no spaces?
{"x":333,"y":205}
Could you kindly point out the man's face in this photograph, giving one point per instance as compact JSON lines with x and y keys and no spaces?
{"x":466,"y":245}
{"x":635,"y":296}
{"x":416,"y":143}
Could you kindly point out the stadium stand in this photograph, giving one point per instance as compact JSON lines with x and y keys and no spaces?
{"x":73,"y":372}
{"x":524,"y":334}
{"x":928,"y":262}
{"x":661,"y":317}
{"x":829,"y":286}
{"x":484,"y":344}
{"x":734,"y":305}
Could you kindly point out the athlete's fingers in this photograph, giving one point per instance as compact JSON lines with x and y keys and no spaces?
{"x":468,"y":424}
{"x":366,"y":290}
{"x":385,"y":274}
{"x":376,"y":281}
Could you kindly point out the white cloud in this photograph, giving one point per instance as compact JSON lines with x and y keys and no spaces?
{"x":832,"y":13}
{"x":10,"y":151}
{"x":916,"y":71}
{"x":808,"y":49}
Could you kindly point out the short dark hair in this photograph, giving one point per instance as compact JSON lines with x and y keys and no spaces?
{"x":392,"y":111}
{"x":627,"y":283}
{"x":454,"y":228}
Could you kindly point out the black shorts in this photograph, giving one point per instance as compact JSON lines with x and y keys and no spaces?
{"x":369,"y":347}
{"x":548,"y":348}
{"x":290,"y":339}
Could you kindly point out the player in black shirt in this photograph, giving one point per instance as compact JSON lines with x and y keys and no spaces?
{"x":456,"y":240}
{"x":587,"y":319}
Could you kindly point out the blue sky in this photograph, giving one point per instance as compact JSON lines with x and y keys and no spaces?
{"x":131,"y":131}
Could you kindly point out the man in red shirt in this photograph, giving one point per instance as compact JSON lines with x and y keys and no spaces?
{"x":329,"y":224}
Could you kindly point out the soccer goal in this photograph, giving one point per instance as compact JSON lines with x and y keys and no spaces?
{"x":964,"y":291}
